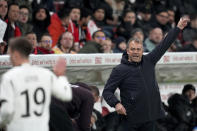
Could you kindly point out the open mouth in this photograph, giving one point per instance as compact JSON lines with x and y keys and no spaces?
{"x":135,"y":56}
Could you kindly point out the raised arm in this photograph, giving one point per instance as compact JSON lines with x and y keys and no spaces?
{"x":159,"y":51}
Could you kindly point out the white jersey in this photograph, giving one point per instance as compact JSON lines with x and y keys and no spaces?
{"x":26,"y":94}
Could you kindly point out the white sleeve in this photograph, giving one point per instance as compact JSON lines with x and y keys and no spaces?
{"x":7,"y":101}
{"x":61,"y":88}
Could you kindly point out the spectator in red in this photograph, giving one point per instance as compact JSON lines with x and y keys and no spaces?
{"x":87,"y":26}
{"x":87,"y":21}
{"x":12,"y":29}
{"x":75,"y":27}
{"x":59,"y":24}
{"x":45,"y":46}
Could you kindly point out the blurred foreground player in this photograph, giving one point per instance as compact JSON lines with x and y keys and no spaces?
{"x":25,"y":90}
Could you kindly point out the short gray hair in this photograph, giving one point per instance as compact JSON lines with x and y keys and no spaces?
{"x":135,"y":40}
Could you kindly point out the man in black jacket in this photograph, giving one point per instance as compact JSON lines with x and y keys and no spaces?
{"x":79,"y":110}
{"x":140,"y":98}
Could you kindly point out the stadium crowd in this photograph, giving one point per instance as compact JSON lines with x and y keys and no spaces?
{"x":102,"y":26}
{"x":95,"y":26}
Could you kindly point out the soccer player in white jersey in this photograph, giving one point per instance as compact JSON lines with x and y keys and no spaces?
{"x":25,"y":90}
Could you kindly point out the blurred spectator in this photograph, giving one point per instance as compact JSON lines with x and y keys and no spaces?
{"x":144,"y":15}
{"x":96,"y":45}
{"x":178,"y":6}
{"x":113,"y":122}
{"x":87,"y":22}
{"x":12,"y":29}
{"x":143,"y":19}
{"x":128,"y":23}
{"x":183,"y":6}
{"x":138,"y":34}
{"x":189,"y":91}
{"x":97,"y":121}
{"x":3,"y":9}
{"x":172,"y":48}
{"x":190,"y":32}
{"x":74,"y":26}
{"x":154,"y":38}
{"x":45,"y":45}
{"x":120,"y":45}
{"x":79,"y":110}
{"x":194,"y":106}
{"x":78,"y":3}
{"x":81,"y":106}
{"x":110,"y":21}
{"x":45,"y":3}
{"x":59,"y":24}
{"x":108,"y":12}
{"x":190,"y":6}
{"x":2,"y":47}
{"x":31,"y":36}
{"x":41,"y":21}
{"x":22,"y":2}
{"x":99,"y":16}
{"x":180,"y":108}
{"x":23,"y":20}
{"x":117,"y":9}
{"x":107,"y":46}
{"x":76,"y":47}
{"x":65,"y":44}
{"x":161,"y":19}
{"x":190,"y":47}
{"x":59,"y":117}
{"x":171,"y":17}
{"x":175,"y":45}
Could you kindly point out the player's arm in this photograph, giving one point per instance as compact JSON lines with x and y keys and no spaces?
{"x":6,"y":99}
{"x":61,"y":88}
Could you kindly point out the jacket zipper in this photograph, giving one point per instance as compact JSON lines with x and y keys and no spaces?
{"x":146,"y":89}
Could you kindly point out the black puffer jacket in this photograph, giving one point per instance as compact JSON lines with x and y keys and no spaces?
{"x":180,"y":108}
{"x":139,"y":90}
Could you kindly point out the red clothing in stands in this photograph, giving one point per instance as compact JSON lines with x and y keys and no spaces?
{"x":55,"y":28}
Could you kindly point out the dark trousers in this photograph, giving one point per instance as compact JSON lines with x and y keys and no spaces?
{"x":147,"y":126}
